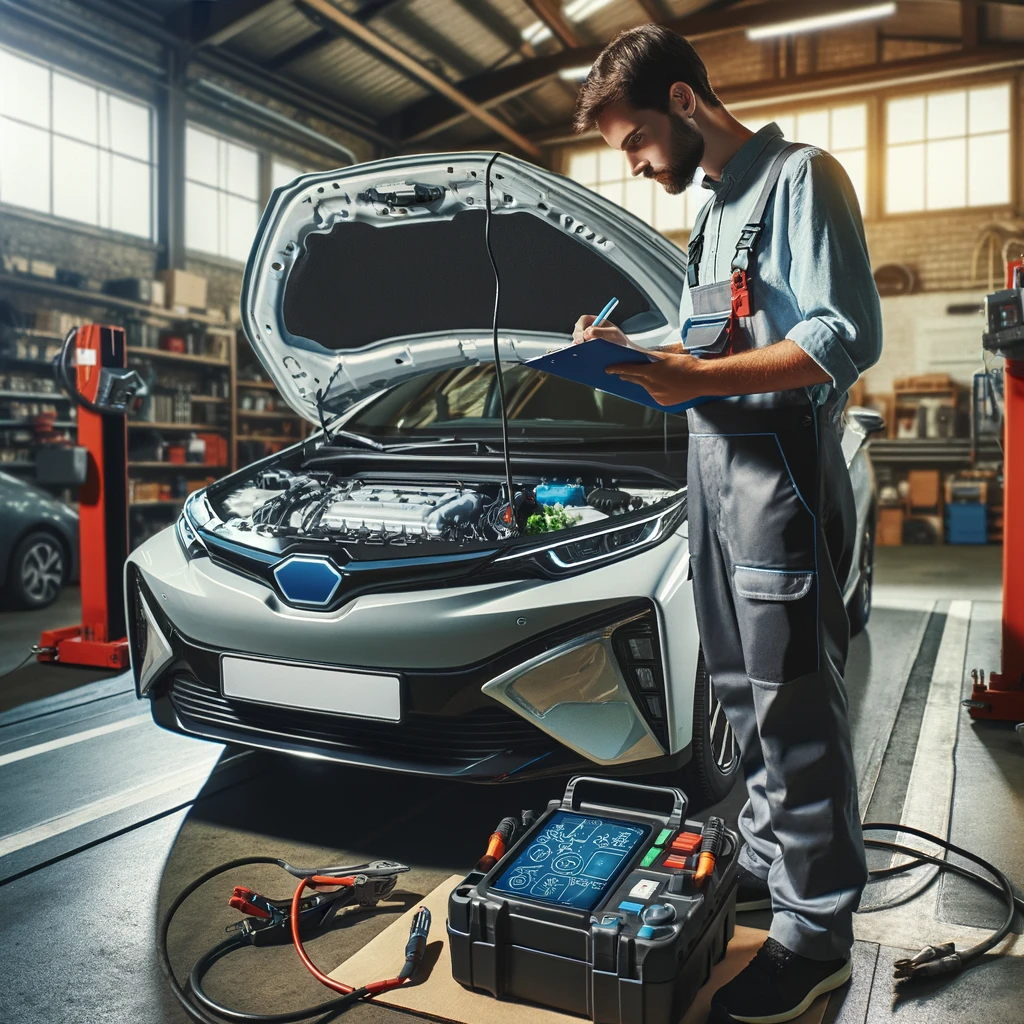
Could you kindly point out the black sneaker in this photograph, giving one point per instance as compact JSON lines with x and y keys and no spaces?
{"x":776,"y":986}
{"x":752,"y":892}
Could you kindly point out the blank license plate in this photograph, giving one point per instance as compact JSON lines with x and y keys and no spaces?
{"x":338,"y":691}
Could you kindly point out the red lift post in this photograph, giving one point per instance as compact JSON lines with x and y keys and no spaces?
{"x":1003,"y":696}
{"x":100,"y":641}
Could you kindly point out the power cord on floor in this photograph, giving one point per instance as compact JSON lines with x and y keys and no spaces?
{"x":21,"y":664}
{"x":944,"y":958}
{"x":275,"y":921}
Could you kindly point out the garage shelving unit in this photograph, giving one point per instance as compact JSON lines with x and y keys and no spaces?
{"x":246,"y":410}
{"x":263,"y":422}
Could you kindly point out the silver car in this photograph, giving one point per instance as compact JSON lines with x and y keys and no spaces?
{"x":361,"y":595}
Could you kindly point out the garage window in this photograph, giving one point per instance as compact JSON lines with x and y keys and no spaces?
{"x":284,"y":171}
{"x":222,"y":188}
{"x":71,"y":149}
{"x":607,"y":172}
{"x":842,"y":131}
{"x":948,"y":149}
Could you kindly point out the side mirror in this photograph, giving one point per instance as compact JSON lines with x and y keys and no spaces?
{"x":868,"y":420}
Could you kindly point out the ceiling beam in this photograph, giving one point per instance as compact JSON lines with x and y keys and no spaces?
{"x":213,"y":24}
{"x":848,"y":81}
{"x":550,"y":13}
{"x":424,"y":74}
{"x":433,"y":114}
{"x":970,"y":23}
{"x":654,"y":9}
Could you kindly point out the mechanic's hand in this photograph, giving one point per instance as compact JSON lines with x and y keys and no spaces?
{"x":669,"y":380}
{"x":585,"y":331}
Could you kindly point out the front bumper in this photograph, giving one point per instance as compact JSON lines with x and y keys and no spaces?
{"x":450,"y":725}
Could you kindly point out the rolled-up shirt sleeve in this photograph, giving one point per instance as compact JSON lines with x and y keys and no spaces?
{"x":830,"y":272}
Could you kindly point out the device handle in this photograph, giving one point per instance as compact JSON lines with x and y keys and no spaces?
{"x":571,"y":801}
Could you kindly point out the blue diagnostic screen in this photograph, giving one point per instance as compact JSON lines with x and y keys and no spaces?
{"x":573,"y":861}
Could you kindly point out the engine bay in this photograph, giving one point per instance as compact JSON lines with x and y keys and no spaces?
{"x":375,"y":508}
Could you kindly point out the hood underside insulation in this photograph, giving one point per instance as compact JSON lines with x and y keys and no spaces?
{"x":358,"y":284}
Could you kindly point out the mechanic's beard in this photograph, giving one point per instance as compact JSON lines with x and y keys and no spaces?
{"x":686,"y":150}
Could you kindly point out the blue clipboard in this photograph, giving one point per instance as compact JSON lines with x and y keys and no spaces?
{"x":585,"y":363}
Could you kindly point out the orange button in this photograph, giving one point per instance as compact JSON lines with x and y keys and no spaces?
{"x":674,"y":862}
{"x":686,"y":842}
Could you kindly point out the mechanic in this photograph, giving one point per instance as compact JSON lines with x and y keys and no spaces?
{"x":781,"y":306}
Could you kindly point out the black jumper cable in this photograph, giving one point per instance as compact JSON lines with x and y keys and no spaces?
{"x":271,"y":922}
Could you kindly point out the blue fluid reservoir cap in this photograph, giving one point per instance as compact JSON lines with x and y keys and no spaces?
{"x":561,"y":494}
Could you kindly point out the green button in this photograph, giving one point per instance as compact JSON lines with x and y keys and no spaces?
{"x":663,"y":837}
{"x":652,"y":855}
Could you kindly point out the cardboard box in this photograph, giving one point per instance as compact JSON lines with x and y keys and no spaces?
{"x":890,"y":527}
{"x":924,"y":489}
{"x":40,"y":268}
{"x":184,"y":289}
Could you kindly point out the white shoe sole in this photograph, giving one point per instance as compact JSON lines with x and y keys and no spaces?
{"x":765,"y":904}
{"x":841,"y":977}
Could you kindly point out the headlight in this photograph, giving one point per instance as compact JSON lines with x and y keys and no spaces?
{"x":196,"y":512}
{"x":604,"y":542}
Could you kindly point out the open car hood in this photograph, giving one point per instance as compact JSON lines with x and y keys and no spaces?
{"x":362,"y":277}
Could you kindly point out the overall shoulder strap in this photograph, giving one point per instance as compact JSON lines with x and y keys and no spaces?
{"x":696,"y":247}
{"x":753,"y":228}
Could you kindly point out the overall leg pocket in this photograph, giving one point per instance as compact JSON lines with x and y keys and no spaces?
{"x":777,"y":614}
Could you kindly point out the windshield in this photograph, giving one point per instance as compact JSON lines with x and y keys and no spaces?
{"x":464,"y":403}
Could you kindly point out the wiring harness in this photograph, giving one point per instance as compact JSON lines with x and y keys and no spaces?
{"x":271,"y":922}
{"x":944,"y":958}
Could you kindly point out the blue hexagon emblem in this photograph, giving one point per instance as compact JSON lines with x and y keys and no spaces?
{"x":307,"y":580}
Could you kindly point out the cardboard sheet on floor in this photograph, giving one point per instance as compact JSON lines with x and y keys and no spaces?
{"x":441,"y":997}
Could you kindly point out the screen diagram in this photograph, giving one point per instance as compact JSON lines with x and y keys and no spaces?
{"x":572,"y":861}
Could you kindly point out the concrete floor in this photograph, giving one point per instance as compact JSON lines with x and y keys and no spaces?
{"x":104,"y":818}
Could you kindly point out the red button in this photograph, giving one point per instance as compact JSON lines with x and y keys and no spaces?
{"x":686,"y":842}
{"x":675,"y":862}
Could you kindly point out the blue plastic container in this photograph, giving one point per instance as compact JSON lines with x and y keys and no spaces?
{"x":967,"y":523}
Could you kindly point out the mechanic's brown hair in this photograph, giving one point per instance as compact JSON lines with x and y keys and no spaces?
{"x":639,"y":66}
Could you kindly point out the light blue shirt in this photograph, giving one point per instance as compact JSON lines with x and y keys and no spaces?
{"x":811,"y":275}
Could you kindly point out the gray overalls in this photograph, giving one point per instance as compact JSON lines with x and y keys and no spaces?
{"x":772,"y":526}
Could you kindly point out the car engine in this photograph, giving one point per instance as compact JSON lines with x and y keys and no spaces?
{"x":280,"y":503}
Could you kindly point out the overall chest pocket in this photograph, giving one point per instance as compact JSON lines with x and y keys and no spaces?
{"x":706,"y":334}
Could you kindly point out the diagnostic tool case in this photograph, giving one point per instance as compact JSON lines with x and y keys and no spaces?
{"x":595,"y":910}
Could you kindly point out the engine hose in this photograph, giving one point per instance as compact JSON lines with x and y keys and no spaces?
{"x":932,"y":961}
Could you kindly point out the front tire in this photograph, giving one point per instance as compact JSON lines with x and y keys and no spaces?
{"x":712,"y":770}
{"x":37,"y":571}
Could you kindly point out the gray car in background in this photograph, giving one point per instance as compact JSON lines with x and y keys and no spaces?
{"x":38,"y":544}
{"x":359,"y":596}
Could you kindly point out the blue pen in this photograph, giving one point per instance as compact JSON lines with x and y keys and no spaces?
{"x":606,"y":312}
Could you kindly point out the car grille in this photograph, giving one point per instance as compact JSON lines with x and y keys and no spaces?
{"x":429,"y":739}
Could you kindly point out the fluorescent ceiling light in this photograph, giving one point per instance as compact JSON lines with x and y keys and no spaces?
{"x":576,"y":10}
{"x":820,"y":21}
{"x":575,"y":74}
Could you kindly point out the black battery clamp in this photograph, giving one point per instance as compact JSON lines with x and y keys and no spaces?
{"x":612,"y":905}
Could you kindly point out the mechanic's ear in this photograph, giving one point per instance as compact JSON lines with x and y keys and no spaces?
{"x":682,"y":99}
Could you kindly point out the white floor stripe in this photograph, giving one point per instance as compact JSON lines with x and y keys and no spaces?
{"x":75,"y":737}
{"x":193,"y":775}
{"x":928,"y":802}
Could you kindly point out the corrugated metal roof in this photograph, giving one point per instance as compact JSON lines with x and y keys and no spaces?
{"x":458,"y":39}
{"x":279,"y":30}
{"x":361,"y":79}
